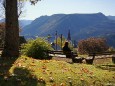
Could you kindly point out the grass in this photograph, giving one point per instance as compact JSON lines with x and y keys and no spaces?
{"x":27,"y":71}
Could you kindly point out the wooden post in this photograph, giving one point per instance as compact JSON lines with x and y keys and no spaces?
{"x":56,"y":39}
{"x":113,"y":59}
{"x":61,"y":41}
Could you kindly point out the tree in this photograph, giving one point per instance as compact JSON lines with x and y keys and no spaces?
{"x":11,"y":47}
{"x":2,"y":30}
{"x":20,"y":8}
{"x":92,"y":45}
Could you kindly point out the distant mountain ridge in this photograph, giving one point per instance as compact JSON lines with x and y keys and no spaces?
{"x":81,"y":26}
{"x":22,"y":23}
{"x":111,"y":17}
{"x":59,"y":21}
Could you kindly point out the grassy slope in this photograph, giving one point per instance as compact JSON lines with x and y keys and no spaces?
{"x":30,"y":72}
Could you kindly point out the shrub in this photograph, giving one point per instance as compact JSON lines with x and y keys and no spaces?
{"x":111,"y":49}
{"x":92,"y":45}
{"x":35,"y":48}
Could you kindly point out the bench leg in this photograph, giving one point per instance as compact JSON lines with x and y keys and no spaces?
{"x":113,"y":59}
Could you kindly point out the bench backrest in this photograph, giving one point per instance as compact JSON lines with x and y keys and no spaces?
{"x":55,"y":52}
{"x":102,"y":53}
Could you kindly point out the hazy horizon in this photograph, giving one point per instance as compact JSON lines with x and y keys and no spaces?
{"x":50,"y":7}
{"x":62,"y":13}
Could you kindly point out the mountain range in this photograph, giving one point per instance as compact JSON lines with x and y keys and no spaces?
{"x":22,"y":23}
{"x":81,"y":26}
{"x":111,"y":17}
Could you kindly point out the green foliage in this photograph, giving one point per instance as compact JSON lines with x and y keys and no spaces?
{"x":63,"y":42}
{"x":92,"y":45}
{"x":59,"y":41}
{"x":36,"y":48}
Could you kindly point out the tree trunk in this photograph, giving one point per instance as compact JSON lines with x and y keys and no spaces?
{"x":11,"y":47}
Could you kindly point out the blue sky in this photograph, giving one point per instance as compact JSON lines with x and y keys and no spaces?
{"x":49,"y":7}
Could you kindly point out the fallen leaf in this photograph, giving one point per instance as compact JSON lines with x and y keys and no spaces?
{"x":62,"y":84}
{"x":51,"y":79}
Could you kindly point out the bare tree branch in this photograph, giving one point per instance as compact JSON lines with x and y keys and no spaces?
{"x":21,"y":10}
{"x":2,"y":8}
{"x":21,"y":4}
{"x":4,"y":3}
{"x":20,"y":7}
{"x":33,"y":2}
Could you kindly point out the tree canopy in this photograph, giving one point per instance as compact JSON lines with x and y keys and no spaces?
{"x":92,"y":45}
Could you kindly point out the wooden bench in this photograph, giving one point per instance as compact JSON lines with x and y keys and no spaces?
{"x":90,"y":60}
{"x":101,"y":53}
{"x":60,"y":52}
{"x":74,"y":56}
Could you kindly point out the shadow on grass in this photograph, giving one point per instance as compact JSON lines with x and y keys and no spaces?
{"x":5,"y":65}
{"x":20,"y":77}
